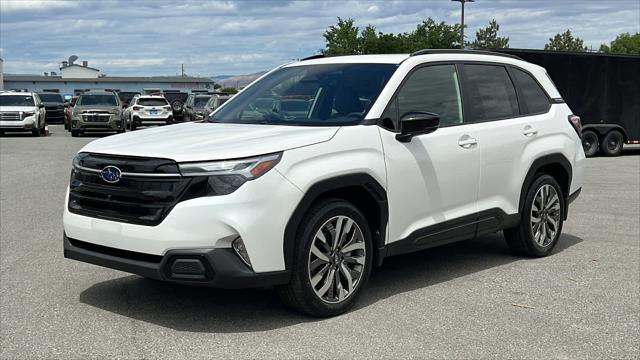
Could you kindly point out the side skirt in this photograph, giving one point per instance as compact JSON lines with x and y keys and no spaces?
{"x":464,"y":228}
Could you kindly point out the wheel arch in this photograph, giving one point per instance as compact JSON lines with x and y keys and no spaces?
{"x":555,"y":165}
{"x":362,"y":190}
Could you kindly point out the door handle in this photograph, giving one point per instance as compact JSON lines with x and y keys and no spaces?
{"x":529,"y":131}
{"x":467,"y":142}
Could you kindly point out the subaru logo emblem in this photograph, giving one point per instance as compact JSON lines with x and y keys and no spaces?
{"x":111,"y":174}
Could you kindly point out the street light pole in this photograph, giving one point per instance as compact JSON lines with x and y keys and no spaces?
{"x":462,"y":2}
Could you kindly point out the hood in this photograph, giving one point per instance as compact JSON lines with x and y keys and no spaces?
{"x":52,"y":103}
{"x":17,"y":108}
{"x":210,"y":141}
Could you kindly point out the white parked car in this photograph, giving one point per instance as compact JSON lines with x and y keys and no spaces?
{"x":145,"y":110}
{"x":394,"y":154}
{"x":22,"y":111}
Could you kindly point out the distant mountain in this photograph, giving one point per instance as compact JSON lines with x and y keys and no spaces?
{"x":236,"y":81}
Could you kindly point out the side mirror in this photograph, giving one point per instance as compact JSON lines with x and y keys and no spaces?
{"x":417,"y":123}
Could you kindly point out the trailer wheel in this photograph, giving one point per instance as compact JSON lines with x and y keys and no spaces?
{"x":612,"y":143}
{"x":590,"y":143}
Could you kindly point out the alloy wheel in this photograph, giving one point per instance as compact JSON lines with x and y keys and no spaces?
{"x":545,"y":215}
{"x":336,"y":259}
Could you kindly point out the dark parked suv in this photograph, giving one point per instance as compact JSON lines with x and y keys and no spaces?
{"x":54,"y":105}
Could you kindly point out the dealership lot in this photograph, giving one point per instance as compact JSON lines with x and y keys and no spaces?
{"x":467,"y":300}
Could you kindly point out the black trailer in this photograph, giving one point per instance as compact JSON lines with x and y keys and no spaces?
{"x":603,"y":89}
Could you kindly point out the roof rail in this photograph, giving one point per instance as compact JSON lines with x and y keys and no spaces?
{"x":462,"y":51}
{"x":317,"y":56}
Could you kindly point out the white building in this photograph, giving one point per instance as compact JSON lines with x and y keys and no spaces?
{"x":75,"y":78}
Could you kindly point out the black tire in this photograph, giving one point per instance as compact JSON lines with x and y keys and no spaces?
{"x":521,"y":239}
{"x":36,"y":132}
{"x":299,"y":294}
{"x":612,"y":143}
{"x":590,"y":143}
{"x":75,"y":133}
{"x":176,"y":105}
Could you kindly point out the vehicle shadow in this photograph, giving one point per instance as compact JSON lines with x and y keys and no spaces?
{"x":196,"y":309}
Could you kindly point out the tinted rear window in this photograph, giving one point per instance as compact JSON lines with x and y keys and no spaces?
{"x":535,"y":98}
{"x":152,"y":102}
{"x":492,"y":94}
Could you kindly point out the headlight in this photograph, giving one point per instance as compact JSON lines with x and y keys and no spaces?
{"x":28,"y":113}
{"x":226,"y":176}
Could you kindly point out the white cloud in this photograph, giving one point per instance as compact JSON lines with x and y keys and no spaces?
{"x":18,"y":5}
{"x":153,"y":37}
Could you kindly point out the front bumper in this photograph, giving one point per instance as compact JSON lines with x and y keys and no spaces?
{"x":20,"y":125}
{"x":257,"y":212}
{"x":113,"y":124}
{"x":201,"y":267}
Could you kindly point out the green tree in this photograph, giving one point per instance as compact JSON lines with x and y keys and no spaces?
{"x":345,"y":38}
{"x":368,"y":41}
{"x":432,"y":35}
{"x":624,"y":43}
{"x":565,"y":42}
{"x":341,"y":39}
{"x":488,"y":38}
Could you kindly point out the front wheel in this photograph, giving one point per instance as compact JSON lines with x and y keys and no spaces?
{"x":332,"y":261}
{"x":541,"y":219}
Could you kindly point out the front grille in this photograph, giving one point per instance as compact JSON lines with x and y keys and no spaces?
{"x":142,"y":199}
{"x":96,"y":117}
{"x":10,"y":116}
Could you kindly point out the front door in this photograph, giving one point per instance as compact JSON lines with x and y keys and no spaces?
{"x":432,"y":181}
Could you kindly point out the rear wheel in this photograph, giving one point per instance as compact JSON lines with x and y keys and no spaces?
{"x":612,"y":143}
{"x":332,"y":262}
{"x":541,"y":219}
{"x":590,"y":143}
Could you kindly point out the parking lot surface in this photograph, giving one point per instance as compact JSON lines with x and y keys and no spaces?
{"x":467,"y":300}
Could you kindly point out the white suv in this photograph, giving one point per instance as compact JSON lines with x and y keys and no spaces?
{"x":147,"y":110}
{"x":392,"y":154}
{"x":22,"y":111}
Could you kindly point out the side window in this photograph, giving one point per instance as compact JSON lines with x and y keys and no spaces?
{"x":534,"y":97}
{"x":432,"y":89}
{"x":491,"y":93}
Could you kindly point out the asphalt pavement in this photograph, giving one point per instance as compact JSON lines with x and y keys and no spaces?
{"x":466,"y":300}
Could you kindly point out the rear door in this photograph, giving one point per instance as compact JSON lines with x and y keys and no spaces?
{"x":509,"y":125}
{"x":432,"y":181}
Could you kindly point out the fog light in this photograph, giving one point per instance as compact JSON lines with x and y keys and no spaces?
{"x":239,"y":248}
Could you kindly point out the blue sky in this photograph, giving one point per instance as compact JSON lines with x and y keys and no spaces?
{"x":239,"y":37}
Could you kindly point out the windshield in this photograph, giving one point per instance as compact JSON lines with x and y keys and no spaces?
{"x":102,"y":100}
{"x":152,"y":102}
{"x":200,"y":101}
{"x":50,"y":97}
{"x":16,"y":100}
{"x":328,"y":94}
